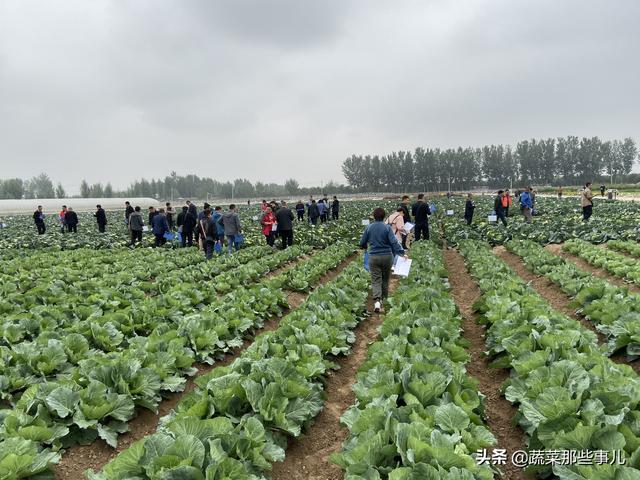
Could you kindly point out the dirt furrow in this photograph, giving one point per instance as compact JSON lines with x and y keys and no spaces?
{"x":596,"y":271}
{"x":552,"y":293}
{"x":308,"y":456}
{"x":499,"y":412}
{"x":77,"y":459}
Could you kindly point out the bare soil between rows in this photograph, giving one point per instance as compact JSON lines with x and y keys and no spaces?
{"x":499,"y":412}
{"x":79,"y":458}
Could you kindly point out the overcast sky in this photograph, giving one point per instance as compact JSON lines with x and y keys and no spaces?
{"x":266,"y":90}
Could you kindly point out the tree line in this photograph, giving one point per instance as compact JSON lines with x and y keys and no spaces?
{"x":553,"y":161}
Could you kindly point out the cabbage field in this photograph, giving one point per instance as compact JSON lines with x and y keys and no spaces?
{"x":508,"y":352}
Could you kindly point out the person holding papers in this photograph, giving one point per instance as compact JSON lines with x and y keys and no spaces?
{"x":382,"y":245}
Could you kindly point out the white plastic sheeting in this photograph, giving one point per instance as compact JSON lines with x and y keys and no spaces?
{"x":53,"y":205}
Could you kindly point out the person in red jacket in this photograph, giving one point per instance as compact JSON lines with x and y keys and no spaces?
{"x":268,"y":221}
{"x":507,"y":201}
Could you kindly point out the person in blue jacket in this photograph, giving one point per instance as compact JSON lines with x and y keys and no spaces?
{"x":382,"y":245}
{"x":322,"y":209}
{"x":160,"y":227}
{"x":526,"y":204}
{"x":217,"y":215}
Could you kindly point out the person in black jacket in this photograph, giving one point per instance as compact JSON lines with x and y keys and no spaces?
{"x":152,"y":213}
{"x":314,"y":212}
{"x":499,"y":208}
{"x":186,"y":223}
{"x":300,"y":210}
{"x":421,"y":212}
{"x":128,"y":210}
{"x":469,"y":207}
{"x":284,"y":218}
{"x":101,"y":218}
{"x":335,"y":208}
{"x":38,"y":218}
{"x":71,"y":220}
{"x":407,"y":217}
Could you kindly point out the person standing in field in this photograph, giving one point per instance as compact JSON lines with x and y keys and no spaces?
{"x":160,"y":227}
{"x":421,"y":212}
{"x":71,"y":220}
{"x":335,"y":208}
{"x":382,"y":245}
{"x":284,"y":219}
{"x":602,"y":189}
{"x":264,"y":206}
{"x":101,"y":218}
{"x":215,"y":218}
{"x":136,"y":224}
{"x":560,"y":191}
{"x":587,"y":202}
{"x":38,"y":219}
{"x":322,"y":208}
{"x":396,"y":222}
{"x":314,"y":212}
{"x":526,"y":204}
{"x":209,"y":234}
{"x":469,"y":207}
{"x":300,"y":210}
{"x":198,"y":231}
{"x":267,"y":222}
{"x":499,"y":208}
{"x":61,"y":218}
{"x":231,"y":222}
{"x":186,"y":223}
{"x":170,"y":212}
{"x":152,"y":213}
{"x":128,"y":210}
{"x":506,"y":202}
{"x":404,"y":205}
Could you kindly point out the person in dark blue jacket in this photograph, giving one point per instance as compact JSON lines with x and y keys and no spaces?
{"x":383,"y":245}
{"x":160,"y":227}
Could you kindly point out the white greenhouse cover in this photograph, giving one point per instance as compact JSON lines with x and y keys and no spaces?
{"x":53,"y":205}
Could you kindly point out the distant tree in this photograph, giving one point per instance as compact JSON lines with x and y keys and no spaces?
{"x":85,"y":189}
{"x":291,"y":186}
{"x":108,"y":191}
{"x":628,"y":155}
{"x":39,"y":186}
{"x":60,"y":193}
{"x":12,"y":188}
{"x":96,"y":190}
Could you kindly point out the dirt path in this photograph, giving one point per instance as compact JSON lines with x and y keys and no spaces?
{"x":308,"y":456}
{"x":79,"y":458}
{"x":559,"y":300}
{"x":499,"y":412}
{"x":596,"y":271}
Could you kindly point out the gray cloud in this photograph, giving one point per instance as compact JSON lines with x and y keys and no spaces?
{"x":109,"y":90}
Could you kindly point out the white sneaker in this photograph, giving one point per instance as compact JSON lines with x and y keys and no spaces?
{"x":376,"y":307}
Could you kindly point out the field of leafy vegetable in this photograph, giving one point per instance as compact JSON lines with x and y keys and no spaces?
{"x":93,"y":331}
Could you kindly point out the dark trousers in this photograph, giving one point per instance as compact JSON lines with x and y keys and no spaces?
{"x":380,"y":269}
{"x":101,"y":227}
{"x":501,"y":216}
{"x":468,"y":220}
{"x":314,"y":220}
{"x":300,"y":215}
{"x":136,"y":236}
{"x":287,"y":238}
{"x":41,"y":228}
{"x":586,"y":212}
{"x":209,"y":246}
{"x":421,"y":231}
{"x":187,"y":238}
{"x":404,"y":241}
{"x":270,"y":238}
{"x":334,"y":215}
{"x":160,"y":240}
{"x":323,"y":218}
{"x":72,"y":228}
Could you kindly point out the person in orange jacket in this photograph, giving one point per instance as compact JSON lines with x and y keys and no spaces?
{"x":507,"y":201}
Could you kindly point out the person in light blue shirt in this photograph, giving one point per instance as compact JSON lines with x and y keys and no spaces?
{"x":382,"y":245}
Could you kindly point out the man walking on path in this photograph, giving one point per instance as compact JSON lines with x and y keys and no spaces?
{"x":284,"y":218}
{"x":101,"y":218}
{"x":231,"y":222}
{"x":136,"y":224}
{"x":587,"y":202}
{"x":526,"y":205}
{"x":421,"y":212}
{"x":382,"y":246}
{"x":499,"y":209}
